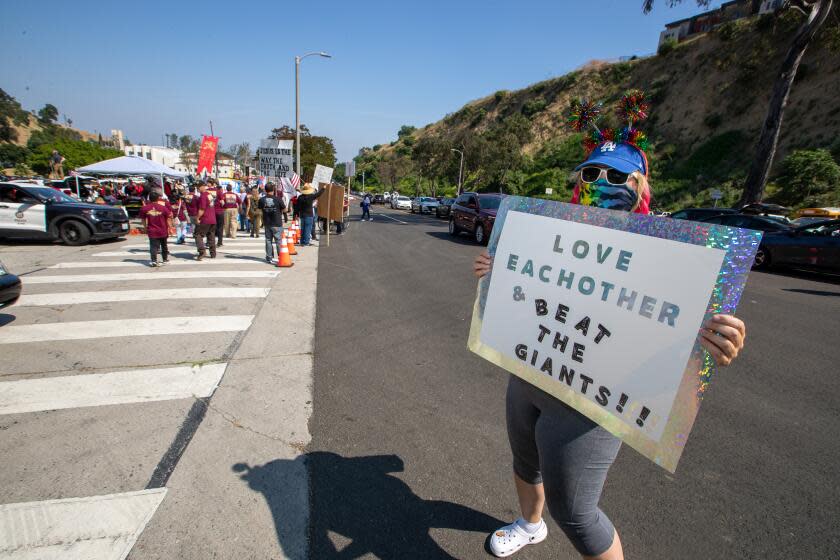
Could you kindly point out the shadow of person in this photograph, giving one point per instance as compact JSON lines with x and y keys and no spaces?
{"x":358,"y":500}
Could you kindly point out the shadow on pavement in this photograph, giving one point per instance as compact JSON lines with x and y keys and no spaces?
{"x":461,"y":238}
{"x":812,"y":292}
{"x":357,"y":499}
{"x":825,"y":278}
{"x":5,"y":319}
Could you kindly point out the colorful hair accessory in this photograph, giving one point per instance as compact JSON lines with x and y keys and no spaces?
{"x":583,"y":113}
{"x":633,"y":107}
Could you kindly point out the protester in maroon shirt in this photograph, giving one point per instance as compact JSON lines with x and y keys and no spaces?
{"x":206,"y":218}
{"x":231,"y":205}
{"x":179,"y":217}
{"x":219,"y":208}
{"x":158,"y":220}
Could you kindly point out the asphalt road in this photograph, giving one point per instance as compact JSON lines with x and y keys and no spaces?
{"x":409,"y":456}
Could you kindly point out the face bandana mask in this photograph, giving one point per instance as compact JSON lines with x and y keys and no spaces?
{"x":612,"y":197}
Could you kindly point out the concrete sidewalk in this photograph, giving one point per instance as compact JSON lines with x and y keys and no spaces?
{"x":240,"y":490}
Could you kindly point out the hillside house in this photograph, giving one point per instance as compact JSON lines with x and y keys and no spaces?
{"x":683,"y":29}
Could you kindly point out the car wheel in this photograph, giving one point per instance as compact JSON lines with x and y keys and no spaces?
{"x":480,"y":238}
{"x":762,"y":258}
{"x":453,"y":229}
{"x":74,"y":232}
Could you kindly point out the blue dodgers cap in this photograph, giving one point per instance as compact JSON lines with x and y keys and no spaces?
{"x":618,"y":155}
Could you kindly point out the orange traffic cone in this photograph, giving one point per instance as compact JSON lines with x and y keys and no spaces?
{"x":283,"y":259}
{"x":297,"y":233}
{"x":290,"y":241}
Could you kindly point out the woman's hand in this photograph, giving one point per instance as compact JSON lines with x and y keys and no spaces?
{"x":483,"y":263}
{"x":723,"y":337}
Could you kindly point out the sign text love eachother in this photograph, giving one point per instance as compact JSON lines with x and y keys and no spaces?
{"x":602,"y":310}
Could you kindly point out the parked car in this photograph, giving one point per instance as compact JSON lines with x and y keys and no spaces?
{"x":814,"y":246}
{"x":403,"y":203}
{"x":760,"y":223}
{"x":9,"y":287}
{"x":30,"y":211}
{"x":807,"y":216}
{"x":475,"y":214}
{"x":697,"y":214}
{"x":378,"y":199}
{"x":444,"y":207}
{"x":418,"y":202}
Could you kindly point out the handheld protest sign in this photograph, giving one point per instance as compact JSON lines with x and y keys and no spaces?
{"x":602,"y":309}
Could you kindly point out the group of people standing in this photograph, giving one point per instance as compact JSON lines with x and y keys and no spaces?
{"x":212,"y":214}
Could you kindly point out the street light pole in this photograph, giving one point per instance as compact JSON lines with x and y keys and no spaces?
{"x":460,"y":169}
{"x":297,"y":105}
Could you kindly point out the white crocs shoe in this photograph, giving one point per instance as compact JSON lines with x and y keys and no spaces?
{"x":511,"y":538}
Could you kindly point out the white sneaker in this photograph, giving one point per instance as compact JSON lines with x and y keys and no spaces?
{"x":153,"y":263}
{"x":511,"y":538}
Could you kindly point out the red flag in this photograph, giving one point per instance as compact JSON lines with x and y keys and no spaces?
{"x":207,"y":153}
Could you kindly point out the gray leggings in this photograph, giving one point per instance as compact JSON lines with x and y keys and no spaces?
{"x":557,"y":446}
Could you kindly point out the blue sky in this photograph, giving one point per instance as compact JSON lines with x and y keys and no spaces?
{"x":154,"y":67}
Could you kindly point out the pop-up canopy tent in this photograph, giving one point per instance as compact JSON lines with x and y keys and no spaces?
{"x":131,"y":165}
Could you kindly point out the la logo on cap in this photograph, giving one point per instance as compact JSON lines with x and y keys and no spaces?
{"x":608,"y":147}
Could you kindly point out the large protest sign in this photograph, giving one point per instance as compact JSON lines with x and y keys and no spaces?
{"x":331,"y":203}
{"x":602,"y":310}
{"x":322,"y":175}
{"x":275,"y":157}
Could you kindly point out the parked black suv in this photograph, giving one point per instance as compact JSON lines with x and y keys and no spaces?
{"x":474,"y":213}
{"x":444,"y":207}
{"x":30,"y":211}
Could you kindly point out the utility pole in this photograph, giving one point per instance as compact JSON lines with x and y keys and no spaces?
{"x":297,"y":106}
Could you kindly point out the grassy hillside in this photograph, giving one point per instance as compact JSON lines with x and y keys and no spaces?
{"x":709,"y":100}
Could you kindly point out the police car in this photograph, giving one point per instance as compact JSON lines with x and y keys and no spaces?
{"x":32,"y":211}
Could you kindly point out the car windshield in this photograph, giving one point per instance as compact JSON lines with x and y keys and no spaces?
{"x":427,"y":199}
{"x":46,"y":193}
{"x":490,"y":202}
{"x":403,"y":198}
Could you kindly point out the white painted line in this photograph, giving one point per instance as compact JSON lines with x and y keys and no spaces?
{"x":151,"y":275}
{"x":176,"y":248}
{"x":100,"y":389}
{"x":79,"y":330}
{"x":390,"y":218}
{"x":137,"y":252}
{"x":73,"y":298}
{"x":145,"y":263}
{"x":94,"y":528}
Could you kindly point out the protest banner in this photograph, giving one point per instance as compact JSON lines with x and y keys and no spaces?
{"x":322,"y":175}
{"x":275,"y":158}
{"x":602,"y":309}
{"x":331,"y":203}
{"x":207,"y":154}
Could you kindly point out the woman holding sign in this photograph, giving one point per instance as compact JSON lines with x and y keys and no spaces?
{"x":560,"y":457}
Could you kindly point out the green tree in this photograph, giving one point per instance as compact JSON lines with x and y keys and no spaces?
{"x":817,"y":12}
{"x":76,"y":153}
{"x":48,"y":114}
{"x":809,"y":178}
{"x":406,"y":130}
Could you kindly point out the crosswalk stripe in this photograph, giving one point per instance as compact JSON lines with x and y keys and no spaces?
{"x":145,"y":263}
{"x":73,"y":298}
{"x":173,"y":248}
{"x":100,"y":527}
{"x":99,"y":389}
{"x":78,"y":330}
{"x":135,"y":252}
{"x":156,"y":275}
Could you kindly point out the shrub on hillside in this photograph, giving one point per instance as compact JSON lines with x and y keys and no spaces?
{"x":534,"y":106}
{"x":809,"y":178}
{"x":11,"y":155}
{"x":717,"y":158}
{"x":75,"y":152}
{"x":666,"y":47}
